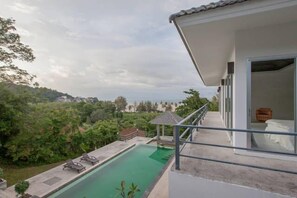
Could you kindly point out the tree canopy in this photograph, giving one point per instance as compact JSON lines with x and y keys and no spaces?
{"x":12,"y":49}
{"x":191,"y":103}
{"x":120,"y":103}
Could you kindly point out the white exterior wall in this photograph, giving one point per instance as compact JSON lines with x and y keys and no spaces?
{"x":223,"y":88}
{"x":259,"y":43}
{"x":182,"y":185}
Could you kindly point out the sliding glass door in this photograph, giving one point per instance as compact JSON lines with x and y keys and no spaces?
{"x":272,"y":103}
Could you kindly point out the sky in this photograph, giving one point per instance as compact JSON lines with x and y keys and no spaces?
{"x":107,"y":48}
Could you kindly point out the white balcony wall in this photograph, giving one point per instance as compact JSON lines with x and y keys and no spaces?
{"x":181,"y":185}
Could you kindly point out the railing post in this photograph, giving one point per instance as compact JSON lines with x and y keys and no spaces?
{"x":177,"y":162}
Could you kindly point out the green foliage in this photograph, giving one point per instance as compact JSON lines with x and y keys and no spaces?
{"x":133,"y":189}
{"x":98,"y":115}
{"x":93,"y":112}
{"x":1,"y":173}
{"x":214,"y":104}
{"x":191,"y":103}
{"x":146,"y":106}
{"x":21,"y":187}
{"x":100,"y":134}
{"x":12,"y":110}
{"x":120,"y":103}
{"x":45,"y":140}
{"x":140,"y":121}
{"x":11,"y":49}
{"x":38,"y":94}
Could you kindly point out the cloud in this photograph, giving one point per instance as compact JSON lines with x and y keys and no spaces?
{"x":107,"y":48}
{"x":23,"y":8}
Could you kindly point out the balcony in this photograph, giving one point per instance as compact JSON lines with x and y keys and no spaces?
{"x":219,"y":172}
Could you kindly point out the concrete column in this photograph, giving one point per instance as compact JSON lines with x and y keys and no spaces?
{"x":163,"y":130}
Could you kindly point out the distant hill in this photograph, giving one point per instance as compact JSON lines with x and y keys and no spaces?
{"x":41,"y":94}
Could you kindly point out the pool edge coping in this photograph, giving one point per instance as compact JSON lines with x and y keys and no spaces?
{"x":152,"y":186}
{"x":45,"y":195}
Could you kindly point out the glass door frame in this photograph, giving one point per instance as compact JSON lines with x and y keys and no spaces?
{"x":249,"y":93}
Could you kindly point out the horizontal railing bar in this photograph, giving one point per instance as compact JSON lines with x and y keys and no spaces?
{"x":198,"y":118}
{"x":189,"y":116}
{"x":183,"y":145}
{"x":184,"y":133}
{"x":240,"y":164}
{"x":239,"y":130}
{"x":239,"y":148}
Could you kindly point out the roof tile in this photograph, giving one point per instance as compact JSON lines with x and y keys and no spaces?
{"x":203,"y":8}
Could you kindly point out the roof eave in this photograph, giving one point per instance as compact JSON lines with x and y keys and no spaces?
{"x":188,"y":49}
{"x":205,"y":8}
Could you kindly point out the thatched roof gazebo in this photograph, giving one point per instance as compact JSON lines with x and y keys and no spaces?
{"x":167,"y":118}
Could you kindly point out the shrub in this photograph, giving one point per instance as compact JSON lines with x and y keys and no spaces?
{"x":21,"y":187}
{"x":1,"y":172}
{"x":133,"y":189}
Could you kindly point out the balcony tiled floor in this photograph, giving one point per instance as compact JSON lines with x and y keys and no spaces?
{"x":281,"y":183}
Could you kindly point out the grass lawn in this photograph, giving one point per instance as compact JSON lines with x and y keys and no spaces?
{"x":14,"y":173}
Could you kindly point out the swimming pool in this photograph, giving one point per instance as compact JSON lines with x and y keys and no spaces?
{"x":140,"y":165}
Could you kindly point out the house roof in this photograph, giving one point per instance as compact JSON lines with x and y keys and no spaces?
{"x":167,"y":118}
{"x":209,"y":36}
{"x":129,"y":131}
{"x":203,"y":8}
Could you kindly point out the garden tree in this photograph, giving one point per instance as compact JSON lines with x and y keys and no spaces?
{"x":191,"y":103}
{"x":148,"y":106}
{"x":214,"y":104}
{"x":85,"y":110}
{"x":45,"y":134}
{"x":12,"y":49}
{"x":141,"y":121}
{"x":168,"y":107}
{"x":100,"y":134}
{"x":130,"y":107}
{"x":12,"y":109}
{"x":1,"y":174}
{"x":155,"y":107}
{"x":108,"y":106}
{"x":21,"y":187}
{"x":100,"y":114}
{"x":120,"y":103}
{"x":141,"y":107}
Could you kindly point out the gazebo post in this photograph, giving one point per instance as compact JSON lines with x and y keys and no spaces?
{"x":173,"y":134}
{"x":158,"y":132}
{"x":167,"y":118}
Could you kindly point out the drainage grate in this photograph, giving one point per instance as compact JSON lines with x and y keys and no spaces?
{"x":52,"y":181}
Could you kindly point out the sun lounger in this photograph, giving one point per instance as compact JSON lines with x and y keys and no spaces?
{"x":91,"y":159}
{"x":74,"y":165}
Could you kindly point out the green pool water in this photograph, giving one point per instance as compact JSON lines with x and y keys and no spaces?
{"x":140,"y":165}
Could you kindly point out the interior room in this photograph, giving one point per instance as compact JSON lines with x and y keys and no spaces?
{"x":272,"y":103}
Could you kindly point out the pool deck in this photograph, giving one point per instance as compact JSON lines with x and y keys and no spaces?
{"x":53,"y":179}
